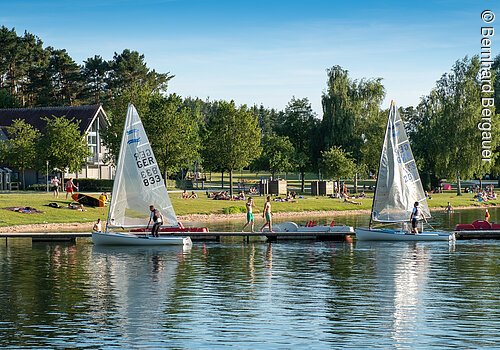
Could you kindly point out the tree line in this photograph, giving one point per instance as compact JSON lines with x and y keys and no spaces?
{"x":344,"y":142}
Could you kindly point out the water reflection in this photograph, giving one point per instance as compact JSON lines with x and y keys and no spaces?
{"x":410,"y":278}
{"x":138,"y":281}
{"x":269,"y":258}
{"x":258,"y":295}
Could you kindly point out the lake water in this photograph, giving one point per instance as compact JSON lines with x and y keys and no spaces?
{"x":316,"y":295}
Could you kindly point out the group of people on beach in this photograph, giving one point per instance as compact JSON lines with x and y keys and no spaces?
{"x":266,"y":214}
{"x":224,"y":195}
{"x":186,"y":195}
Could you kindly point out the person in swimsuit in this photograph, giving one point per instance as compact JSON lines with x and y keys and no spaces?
{"x":70,"y":187}
{"x":97,"y":226}
{"x":266,"y":214}
{"x":250,"y":219}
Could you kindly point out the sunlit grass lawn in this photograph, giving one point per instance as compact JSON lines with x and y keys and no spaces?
{"x":39,"y":201}
{"x":202,"y":205}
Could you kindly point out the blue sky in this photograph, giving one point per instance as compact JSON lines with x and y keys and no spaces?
{"x":266,"y":51}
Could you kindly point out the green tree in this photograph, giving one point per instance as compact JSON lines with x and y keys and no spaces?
{"x":7,"y":100}
{"x":373,"y":138}
{"x":336,"y":163}
{"x":299,"y":123}
{"x":495,"y":68}
{"x":130,"y":72}
{"x":63,"y":145}
{"x":348,"y":108}
{"x":12,"y":59}
{"x":173,"y":132}
{"x":452,"y":112}
{"x":268,"y":119}
{"x":116,"y":111}
{"x":20,"y":149}
{"x":425,"y":137}
{"x":95,"y":72}
{"x":38,"y":81}
{"x":277,"y":155}
{"x":232,"y":138}
{"x":65,"y":78}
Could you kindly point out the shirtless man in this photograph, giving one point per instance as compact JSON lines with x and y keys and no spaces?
{"x":250,"y":219}
{"x":266,"y":214}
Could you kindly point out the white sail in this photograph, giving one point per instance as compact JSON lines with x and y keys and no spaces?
{"x":398,"y":181}
{"x":138,"y":180}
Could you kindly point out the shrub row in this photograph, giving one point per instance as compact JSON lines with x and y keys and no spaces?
{"x":94,"y":185}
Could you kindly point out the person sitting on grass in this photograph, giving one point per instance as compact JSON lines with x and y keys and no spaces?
{"x":351,"y":201}
{"x":103,"y":198}
{"x":77,"y":206}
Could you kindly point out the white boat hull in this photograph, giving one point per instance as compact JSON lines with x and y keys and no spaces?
{"x":114,"y":238}
{"x":366,"y":234}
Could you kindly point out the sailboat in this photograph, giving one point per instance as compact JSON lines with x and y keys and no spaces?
{"x":138,"y":184}
{"x":398,"y":188}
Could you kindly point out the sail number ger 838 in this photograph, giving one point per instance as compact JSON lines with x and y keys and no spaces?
{"x":145,"y":159}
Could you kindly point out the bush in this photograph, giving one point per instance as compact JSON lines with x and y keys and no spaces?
{"x":182,"y":184}
{"x":93,"y":185}
{"x":37,"y":187}
{"x":234,"y":210}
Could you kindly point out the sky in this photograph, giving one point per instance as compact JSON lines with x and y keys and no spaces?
{"x":266,"y":52}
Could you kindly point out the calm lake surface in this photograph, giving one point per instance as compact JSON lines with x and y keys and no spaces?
{"x":312,"y":295}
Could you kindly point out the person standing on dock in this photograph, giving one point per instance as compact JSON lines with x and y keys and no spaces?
{"x":250,"y":219}
{"x":487,"y":216}
{"x":157,"y":219}
{"x":267,"y":215}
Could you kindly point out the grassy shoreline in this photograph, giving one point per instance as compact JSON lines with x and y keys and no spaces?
{"x":200,"y":210}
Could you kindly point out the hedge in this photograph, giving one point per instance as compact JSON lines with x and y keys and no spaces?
{"x":102,"y":185}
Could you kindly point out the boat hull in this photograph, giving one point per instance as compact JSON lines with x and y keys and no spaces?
{"x":114,"y":238}
{"x":87,"y":200}
{"x":366,"y":234}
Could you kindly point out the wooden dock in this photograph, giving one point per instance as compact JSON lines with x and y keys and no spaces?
{"x":217,"y":236}
{"x":477,"y":234}
{"x":195,"y":236}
